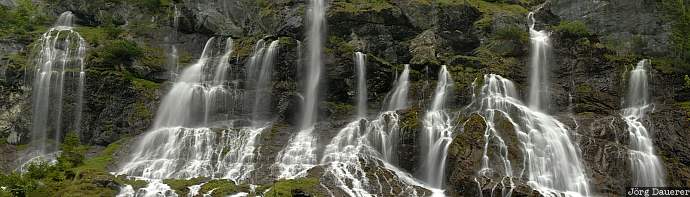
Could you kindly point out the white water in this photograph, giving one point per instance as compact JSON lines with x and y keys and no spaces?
{"x":263,"y":86}
{"x":154,"y":188}
{"x":192,"y":135}
{"x":397,"y":99}
{"x":647,"y":169}
{"x":437,"y":134}
{"x":361,"y":66}
{"x":361,"y":145}
{"x":299,"y":155}
{"x":551,"y":162}
{"x":540,"y":51}
{"x":58,"y":85}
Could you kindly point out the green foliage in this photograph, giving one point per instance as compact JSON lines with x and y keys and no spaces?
{"x":678,"y":11}
{"x":21,"y":22}
{"x":181,"y":187}
{"x":115,"y":53}
{"x":97,"y":36}
{"x":512,"y":33}
{"x":572,"y":29}
{"x":286,"y":187}
{"x":687,"y":81}
{"x":16,"y":184}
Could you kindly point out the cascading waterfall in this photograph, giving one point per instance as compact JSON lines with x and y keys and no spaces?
{"x":397,"y":99}
{"x":299,"y":154}
{"x":646,"y":167}
{"x":192,"y":135}
{"x":362,"y":144}
{"x":173,"y":58}
{"x":263,"y":86}
{"x":437,"y":133}
{"x":540,"y":50}
{"x":551,"y":162}
{"x":361,"y":66}
{"x":58,"y":85}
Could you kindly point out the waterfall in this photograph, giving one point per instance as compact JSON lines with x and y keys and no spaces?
{"x":58,"y":85}
{"x":192,"y":135}
{"x":647,"y":168}
{"x":397,"y":99}
{"x":172,"y":64}
{"x":299,"y":154}
{"x":540,"y":51}
{"x":551,"y":162}
{"x":360,"y":63}
{"x":437,"y":133}
{"x":264,"y":86}
{"x":363,"y":144}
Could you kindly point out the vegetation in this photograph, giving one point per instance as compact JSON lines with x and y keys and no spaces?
{"x":572,"y":29}
{"x":678,"y":11}
{"x":356,"y":6}
{"x":70,"y":175}
{"x":22,"y":22}
{"x":181,"y":187}
{"x":288,"y":187}
{"x":222,"y":187}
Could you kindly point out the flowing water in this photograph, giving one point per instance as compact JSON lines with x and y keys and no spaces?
{"x":646,"y":167}
{"x":437,"y":133}
{"x":361,"y":67}
{"x":193,"y":134}
{"x":397,"y":99}
{"x":550,"y":161}
{"x":539,"y":60}
{"x":299,"y":155}
{"x":58,"y":85}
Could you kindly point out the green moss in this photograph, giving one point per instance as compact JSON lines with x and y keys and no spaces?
{"x":181,"y":187}
{"x":136,"y":184}
{"x":115,"y":53}
{"x":410,"y":119}
{"x":685,"y":106}
{"x":512,"y":33}
{"x":356,"y":6}
{"x":489,"y":9}
{"x":103,"y":159}
{"x":583,"y":89}
{"x":338,"y":109}
{"x":572,"y":29}
{"x":222,"y":187}
{"x":286,"y":187}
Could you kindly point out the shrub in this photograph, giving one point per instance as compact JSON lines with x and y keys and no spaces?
{"x":572,"y":29}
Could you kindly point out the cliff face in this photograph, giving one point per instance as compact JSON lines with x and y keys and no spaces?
{"x":595,"y":44}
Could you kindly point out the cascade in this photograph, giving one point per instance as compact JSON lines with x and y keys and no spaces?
{"x":263,"y":86}
{"x":539,"y":60}
{"x":551,"y":162}
{"x":646,"y":167}
{"x":364,"y":144}
{"x":299,"y":154}
{"x":361,"y":66}
{"x":192,"y":135}
{"x":172,"y":63}
{"x":397,"y":99}
{"x":437,"y":133}
{"x":58,"y":85}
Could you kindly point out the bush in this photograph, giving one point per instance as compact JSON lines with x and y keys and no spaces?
{"x":572,"y":29}
{"x":116,"y":53}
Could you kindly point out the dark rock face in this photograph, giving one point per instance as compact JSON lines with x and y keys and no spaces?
{"x":588,"y":76}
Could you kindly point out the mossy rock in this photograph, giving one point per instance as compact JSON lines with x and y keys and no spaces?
{"x":222,"y":187}
{"x":181,"y":186}
{"x":295,"y":187}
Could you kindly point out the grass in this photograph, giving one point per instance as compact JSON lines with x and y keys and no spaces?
{"x":103,"y":159}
